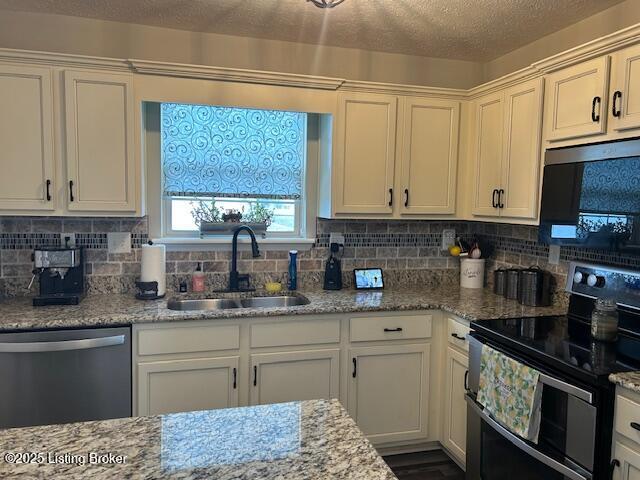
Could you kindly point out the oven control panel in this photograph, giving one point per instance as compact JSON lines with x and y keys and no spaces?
{"x":597,"y":281}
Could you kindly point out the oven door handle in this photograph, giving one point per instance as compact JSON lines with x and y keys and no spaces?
{"x":524,"y":446}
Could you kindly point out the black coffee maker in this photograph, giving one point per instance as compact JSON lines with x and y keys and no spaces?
{"x":60,"y":272}
{"x":333,"y":269}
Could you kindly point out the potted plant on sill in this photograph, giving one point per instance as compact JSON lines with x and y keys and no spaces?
{"x":212,"y":220}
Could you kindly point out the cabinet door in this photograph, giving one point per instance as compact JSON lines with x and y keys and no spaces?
{"x":629,"y":468}
{"x":488,"y":153}
{"x":389,"y":391}
{"x":186,"y":385}
{"x":455,"y":414}
{"x":293,"y":376}
{"x":365,"y":153}
{"x":26,"y":137}
{"x":521,"y":151}
{"x":625,"y":89}
{"x":100,"y":139}
{"x":429,"y":156}
{"x":577,"y":100}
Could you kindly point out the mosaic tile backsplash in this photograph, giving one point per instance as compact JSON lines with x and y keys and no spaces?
{"x":409,"y":251}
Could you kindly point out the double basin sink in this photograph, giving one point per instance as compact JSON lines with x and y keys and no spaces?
{"x":228,"y":303}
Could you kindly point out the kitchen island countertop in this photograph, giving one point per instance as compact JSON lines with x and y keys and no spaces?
{"x":301,"y":440}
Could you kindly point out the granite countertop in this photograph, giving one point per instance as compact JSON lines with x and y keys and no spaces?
{"x":302,"y":440}
{"x":119,"y":309}
{"x":628,"y":380}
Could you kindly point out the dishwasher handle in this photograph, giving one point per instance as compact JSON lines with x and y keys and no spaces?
{"x":61,"y":346}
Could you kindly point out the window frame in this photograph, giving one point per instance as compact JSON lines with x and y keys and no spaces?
{"x":156,"y":204}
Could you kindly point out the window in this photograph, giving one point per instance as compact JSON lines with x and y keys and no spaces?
{"x":237,"y":158}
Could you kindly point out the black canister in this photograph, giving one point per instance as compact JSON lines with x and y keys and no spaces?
{"x":513,"y":277}
{"x":500,"y":281}
{"x":534,"y":287}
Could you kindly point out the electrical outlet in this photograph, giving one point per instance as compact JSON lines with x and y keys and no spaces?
{"x":336,"y":238}
{"x":554,"y":254}
{"x":68,"y":239}
{"x":448,"y":238}
{"x":119,"y":242}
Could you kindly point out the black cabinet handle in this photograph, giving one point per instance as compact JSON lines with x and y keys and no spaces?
{"x":612,"y":466}
{"x":255,"y":375}
{"x":71,"y":191}
{"x":391,"y":197}
{"x":398,"y":329}
{"x":500,"y":194}
{"x":466,"y":380}
{"x":48,"y":190}
{"x":406,"y":197}
{"x":459,"y":337}
{"x":595,"y":116}
{"x":494,"y":202}
{"x":355,"y":368}
{"x":235,"y":378}
{"x":635,"y":425}
{"x":617,"y":112}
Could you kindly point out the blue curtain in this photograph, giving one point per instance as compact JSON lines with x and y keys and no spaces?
{"x":232,"y":152}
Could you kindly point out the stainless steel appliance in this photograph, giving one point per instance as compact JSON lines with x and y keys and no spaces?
{"x":62,"y":376}
{"x":577,"y":400}
{"x":60,"y":274}
{"x":591,"y":196}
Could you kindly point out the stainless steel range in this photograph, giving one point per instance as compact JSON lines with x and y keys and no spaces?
{"x":577,"y":400}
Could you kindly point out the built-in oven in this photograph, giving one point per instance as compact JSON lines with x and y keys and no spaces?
{"x":591,"y":196}
{"x":568,"y":438}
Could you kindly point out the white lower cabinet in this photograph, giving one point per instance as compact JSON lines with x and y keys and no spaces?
{"x":389,"y":391}
{"x":293,"y":376}
{"x":628,"y":467}
{"x":455,"y":407}
{"x":186,"y":385}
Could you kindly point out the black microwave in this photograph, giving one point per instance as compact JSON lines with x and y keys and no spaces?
{"x":591,"y":196}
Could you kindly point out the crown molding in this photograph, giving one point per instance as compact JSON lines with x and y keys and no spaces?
{"x":234,"y":75}
{"x":62,"y":60}
{"x":399,"y":89}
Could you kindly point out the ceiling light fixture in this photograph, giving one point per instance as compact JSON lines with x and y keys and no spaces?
{"x":326,"y":3}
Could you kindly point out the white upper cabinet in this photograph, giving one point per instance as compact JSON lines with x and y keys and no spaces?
{"x":625,"y":89}
{"x":521,"y":162}
{"x":101,"y":173}
{"x":489,"y":123}
{"x":577,"y":100}
{"x":26,"y":137}
{"x":365,"y":153}
{"x":507,"y":152}
{"x":429,"y":162}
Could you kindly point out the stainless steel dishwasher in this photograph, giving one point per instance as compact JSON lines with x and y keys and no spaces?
{"x":62,"y":376}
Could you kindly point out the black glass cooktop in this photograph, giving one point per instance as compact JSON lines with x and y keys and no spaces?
{"x":563,"y":343}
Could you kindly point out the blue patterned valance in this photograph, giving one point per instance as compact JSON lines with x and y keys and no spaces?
{"x":232,"y":152}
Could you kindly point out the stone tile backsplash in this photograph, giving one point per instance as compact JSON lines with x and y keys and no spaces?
{"x":408,"y":251}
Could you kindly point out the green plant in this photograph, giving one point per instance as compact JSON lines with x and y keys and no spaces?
{"x":258,"y":213}
{"x":205,"y":211}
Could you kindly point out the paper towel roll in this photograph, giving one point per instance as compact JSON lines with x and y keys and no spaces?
{"x":153,"y":266}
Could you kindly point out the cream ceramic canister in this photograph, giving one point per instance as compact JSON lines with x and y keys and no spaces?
{"x":472,"y":273}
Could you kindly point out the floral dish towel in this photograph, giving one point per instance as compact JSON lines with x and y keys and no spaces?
{"x":511,"y":392}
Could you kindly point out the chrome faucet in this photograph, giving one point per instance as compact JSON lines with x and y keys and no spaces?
{"x":234,"y":277}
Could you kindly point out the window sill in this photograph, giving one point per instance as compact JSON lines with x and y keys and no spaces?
{"x":224,"y":243}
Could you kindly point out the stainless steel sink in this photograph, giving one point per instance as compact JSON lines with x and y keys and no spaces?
{"x":204,"y":304}
{"x":272,"y":302}
{"x":227,"y":303}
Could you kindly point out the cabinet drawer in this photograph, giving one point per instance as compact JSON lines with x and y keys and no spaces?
{"x":367,"y":329}
{"x":627,"y":412}
{"x":456,"y":330}
{"x":188,"y":339}
{"x":308,"y":332}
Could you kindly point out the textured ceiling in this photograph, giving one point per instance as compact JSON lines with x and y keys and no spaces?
{"x":478,"y":30}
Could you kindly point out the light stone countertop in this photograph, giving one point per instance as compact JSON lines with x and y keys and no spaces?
{"x":628,"y":380}
{"x":119,"y":309}
{"x":311,"y":440}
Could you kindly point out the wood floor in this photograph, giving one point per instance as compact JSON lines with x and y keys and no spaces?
{"x":424,"y":466}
